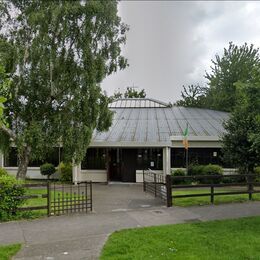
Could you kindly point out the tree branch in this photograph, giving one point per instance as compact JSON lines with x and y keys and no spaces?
{"x":8,"y":131}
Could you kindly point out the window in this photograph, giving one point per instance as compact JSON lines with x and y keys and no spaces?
{"x":150,"y":158}
{"x":196,"y":156}
{"x":54,"y":157}
{"x":95,"y":159}
{"x":10,"y":159}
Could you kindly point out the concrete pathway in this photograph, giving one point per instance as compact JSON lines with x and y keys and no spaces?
{"x":83,"y":236}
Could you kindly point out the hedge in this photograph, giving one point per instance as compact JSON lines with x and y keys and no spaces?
{"x":10,"y":191}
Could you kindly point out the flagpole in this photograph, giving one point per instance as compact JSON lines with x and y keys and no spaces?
{"x":186,"y":145}
{"x":187,"y":160}
{"x":187,"y":150}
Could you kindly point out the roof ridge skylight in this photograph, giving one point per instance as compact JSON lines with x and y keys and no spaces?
{"x":137,"y":103}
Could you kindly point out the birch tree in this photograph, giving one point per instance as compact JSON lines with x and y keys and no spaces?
{"x":61,"y":52}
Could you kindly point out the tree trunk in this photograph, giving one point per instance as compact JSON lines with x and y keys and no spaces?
{"x":23,"y":161}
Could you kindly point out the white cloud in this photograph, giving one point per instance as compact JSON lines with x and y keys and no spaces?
{"x":172,"y":43}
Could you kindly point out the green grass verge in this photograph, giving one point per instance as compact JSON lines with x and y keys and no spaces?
{"x":184,"y":202}
{"x":34,"y":202}
{"x":6,"y":252}
{"x":225,"y":240}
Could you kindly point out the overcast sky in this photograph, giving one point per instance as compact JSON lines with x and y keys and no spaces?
{"x":171,"y":44}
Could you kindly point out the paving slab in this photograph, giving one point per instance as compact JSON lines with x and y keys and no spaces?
{"x":80,"y":248}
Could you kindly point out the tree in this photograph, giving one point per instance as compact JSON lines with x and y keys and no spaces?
{"x":134,"y":93}
{"x":241,"y":143}
{"x":193,"y":96}
{"x":130,"y":92}
{"x":236,"y":64}
{"x":4,"y":85}
{"x":62,"y":51}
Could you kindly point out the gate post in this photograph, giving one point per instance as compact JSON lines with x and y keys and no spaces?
{"x":212,"y":194}
{"x":155,"y":191}
{"x":250,"y":187}
{"x":144,"y":188}
{"x":48,"y":198}
{"x":91,"y":206}
{"x":168,"y":190}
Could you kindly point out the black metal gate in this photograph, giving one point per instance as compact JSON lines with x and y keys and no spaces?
{"x":155,"y":184}
{"x":69,"y":198}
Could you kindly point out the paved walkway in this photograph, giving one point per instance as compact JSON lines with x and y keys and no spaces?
{"x":83,"y":236}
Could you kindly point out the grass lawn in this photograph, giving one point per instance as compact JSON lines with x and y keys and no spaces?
{"x":35,"y":202}
{"x":225,"y":240}
{"x":206,"y":200}
{"x":6,"y":252}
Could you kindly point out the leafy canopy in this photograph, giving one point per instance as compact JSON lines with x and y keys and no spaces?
{"x":4,"y":84}
{"x":60,"y":51}
{"x":192,"y":96}
{"x":236,"y":64}
{"x":130,"y":92}
{"x":241,"y":143}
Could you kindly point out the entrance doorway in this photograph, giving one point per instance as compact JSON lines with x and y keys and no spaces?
{"x":122,"y":165}
{"x":114,"y":165}
{"x":129,"y":165}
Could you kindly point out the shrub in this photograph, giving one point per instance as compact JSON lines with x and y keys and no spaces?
{"x":195,"y":170}
{"x":179,"y":172}
{"x":3,"y":172}
{"x":210,"y":169}
{"x":10,"y":193}
{"x":257,"y":172}
{"x":47,"y":169}
{"x":65,"y":170}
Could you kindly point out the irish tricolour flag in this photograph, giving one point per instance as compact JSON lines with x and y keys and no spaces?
{"x":185,"y":137}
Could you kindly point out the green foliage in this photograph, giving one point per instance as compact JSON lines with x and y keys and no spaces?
{"x":193,"y":96}
{"x":47,"y":169}
{"x":4,"y":84}
{"x":9,"y":192}
{"x":65,"y":170}
{"x":236,"y":64}
{"x":241,"y":142}
{"x":179,"y":172}
{"x":3,"y":172}
{"x":210,"y":169}
{"x":130,"y":92}
{"x":257,"y":172}
{"x":7,"y":251}
{"x":63,"y":51}
{"x":194,"y":170}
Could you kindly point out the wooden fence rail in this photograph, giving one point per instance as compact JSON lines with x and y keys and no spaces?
{"x":152,"y":180}
{"x":34,"y":196}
